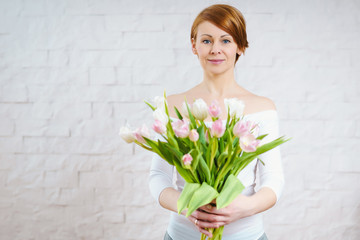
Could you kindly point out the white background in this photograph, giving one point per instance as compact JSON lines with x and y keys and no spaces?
{"x":73,"y":72}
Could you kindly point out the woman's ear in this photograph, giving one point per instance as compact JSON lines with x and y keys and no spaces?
{"x":193,"y":46}
{"x":239,"y":51}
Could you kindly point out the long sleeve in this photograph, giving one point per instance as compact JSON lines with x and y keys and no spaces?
{"x":161,"y":175}
{"x":271,"y":174}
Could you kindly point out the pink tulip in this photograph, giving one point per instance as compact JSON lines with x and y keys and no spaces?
{"x":217,"y":128}
{"x":187,"y":159}
{"x":249,"y":143}
{"x":214,"y":109}
{"x":142,"y":132}
{"x":159,"y":127}
{"x":193,"y":135}
{"x":243,"y":128}
{"x":181,"y":128}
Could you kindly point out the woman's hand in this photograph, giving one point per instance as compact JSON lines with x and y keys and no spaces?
{"x":243,"y":206}
{"x":208,"y":216}
{"x":203,"y":220}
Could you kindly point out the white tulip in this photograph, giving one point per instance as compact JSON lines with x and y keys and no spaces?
{"x":127,"y":134}
{"x":200,"y":109}
{"x":184,"y":110}
{"x":236,"y":107}
{"x":159,"y":102}
{"x":160,"y":115}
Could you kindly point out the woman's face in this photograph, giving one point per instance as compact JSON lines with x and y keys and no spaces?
{"x":215,"y":49}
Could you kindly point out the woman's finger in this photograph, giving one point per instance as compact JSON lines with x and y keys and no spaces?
{"x":197,"y":223}
{"x":209,"y":217}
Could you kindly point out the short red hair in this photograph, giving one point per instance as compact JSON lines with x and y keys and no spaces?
{"x":227,"y":18}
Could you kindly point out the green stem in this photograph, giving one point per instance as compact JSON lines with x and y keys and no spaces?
{"x":194,"y":175}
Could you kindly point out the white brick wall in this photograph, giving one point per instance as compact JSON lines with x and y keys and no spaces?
{"x":72,"y":72}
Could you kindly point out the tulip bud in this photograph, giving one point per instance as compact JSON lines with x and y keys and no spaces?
{"x":187,"y":159}
{"x":193,"y":135}
{"x":184,"y":109}
{"x":127,"y":134}
{"x":181,"y":128}
{"x":217,"y":128}
{"x":235,"y":106}
{"x":159,"y":114}
{"x":200,"y":109}
{"x":242,"y":128}
{"x":159,"y":102}
{"x":249,"y":143}
{"x":159,"y":127}
{"x":214,"y":109}
{"x":142,"y":132}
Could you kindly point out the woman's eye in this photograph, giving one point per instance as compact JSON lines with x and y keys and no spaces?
{"x":206,"y":41}
{"x":226,"y":41}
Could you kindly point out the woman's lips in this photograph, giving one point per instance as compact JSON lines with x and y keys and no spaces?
{"x":215,"y":61}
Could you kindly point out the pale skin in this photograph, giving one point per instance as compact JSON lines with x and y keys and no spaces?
{"x":216,"y":51}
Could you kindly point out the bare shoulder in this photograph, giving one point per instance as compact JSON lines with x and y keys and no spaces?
{"x":255,"y":103}
{"x":175,"y":100}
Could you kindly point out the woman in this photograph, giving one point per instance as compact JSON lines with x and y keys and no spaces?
{"x":218,"y":38}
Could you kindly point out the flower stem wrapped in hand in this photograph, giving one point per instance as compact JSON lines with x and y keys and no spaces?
{"x":209,"y":158}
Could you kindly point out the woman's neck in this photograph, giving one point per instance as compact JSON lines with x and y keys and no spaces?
{"x":219,"y":85}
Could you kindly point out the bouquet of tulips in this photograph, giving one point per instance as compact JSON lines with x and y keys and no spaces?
{"x":208,"y":156}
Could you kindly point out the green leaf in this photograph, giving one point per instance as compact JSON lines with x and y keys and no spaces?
{"x":202,"y":196}
{"x":168,"y":156}
{"x":232,"y":188}
{"x":201,"y":135}
{"x":268,"y":146}
{"x":186,"y":195}
{"x":151,"y":106}
{"x":204,"y":168}
{"x":196,"y":158}
{"x":261,"y":136}
{"x":172,"y":141}
{"x":214,"y":149}
{"x":191,"y":116}
{"x":221,"y":159}
{"x":178,"y":113}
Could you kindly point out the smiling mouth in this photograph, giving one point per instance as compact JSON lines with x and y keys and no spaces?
{"x":216,"y":61}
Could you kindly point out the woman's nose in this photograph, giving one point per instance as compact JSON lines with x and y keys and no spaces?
{"x":215,"y":49}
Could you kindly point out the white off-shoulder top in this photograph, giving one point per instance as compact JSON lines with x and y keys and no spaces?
{"x":163,"y":175}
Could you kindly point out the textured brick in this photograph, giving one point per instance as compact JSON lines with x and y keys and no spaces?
{"x":10,"y":144}
{"x":102,"y":76}
{"x":73,"y":72}
{"x":95,"y":127}
{"x":7,"y":128}
{"x":177,"y":23}
{"x":63,"y":179}
{"x":100,"y":180}
{"x":102,"y":110}
{"x":345,"y":163}
{"x":148,"y":40}
{"x":14,"y":94}
{"x":69,"y":196}
{"x":113,"y":7}
{"x":133,"y":23}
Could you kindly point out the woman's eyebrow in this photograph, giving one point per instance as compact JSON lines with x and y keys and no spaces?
{"x":211,"y":36}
